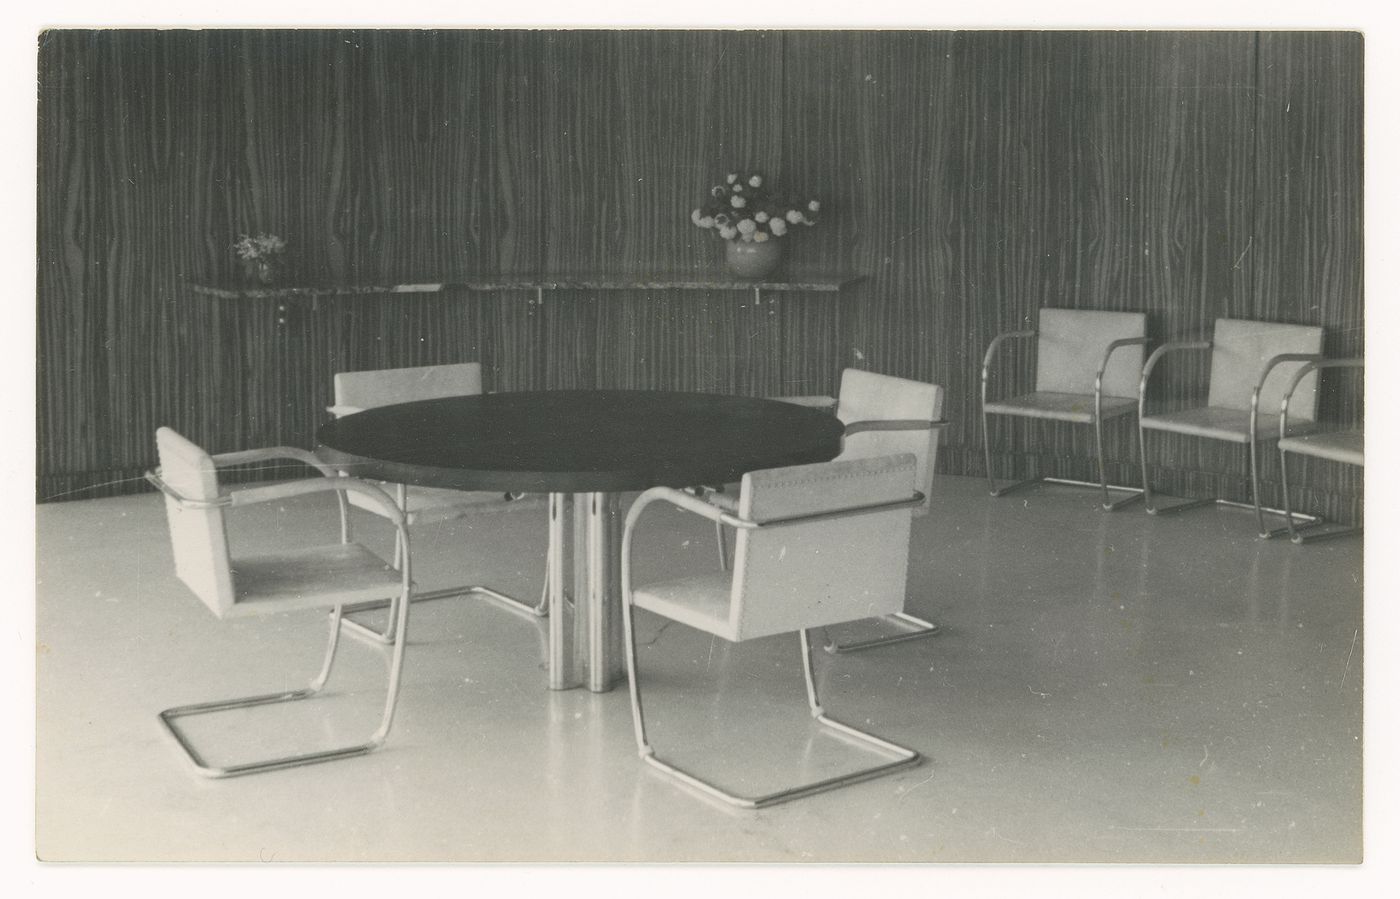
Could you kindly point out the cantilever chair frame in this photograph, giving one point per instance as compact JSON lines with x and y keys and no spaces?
{"x":1109,"y":504}
{"x":904,"y":757}
{"x":537,"y":610}
{"x":1152,"y":508}
{"x":252,"y":495}
{"x":918,"y":627}
{"x":1297,"y":534}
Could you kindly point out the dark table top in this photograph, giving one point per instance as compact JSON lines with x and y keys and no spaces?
{"x":577,"y":441}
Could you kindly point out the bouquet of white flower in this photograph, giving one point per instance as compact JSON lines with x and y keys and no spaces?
{"x":743,"y":209}
{"x":263,"y":246}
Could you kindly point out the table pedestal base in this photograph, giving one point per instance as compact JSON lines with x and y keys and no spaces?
{"x":585,"y":636}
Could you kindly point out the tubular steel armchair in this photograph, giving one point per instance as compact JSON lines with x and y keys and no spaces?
{"x":308,"y":578}
{"x":1346,"y":446}
{"x":361,"y":390}
{"x":816,"y":545}
{"x":1244,"y":356}
{"x":883,"y":415}
{"x":1087,"y":367}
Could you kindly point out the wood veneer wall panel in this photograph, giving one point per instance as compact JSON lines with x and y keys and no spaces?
{"x":973,"y":176}
{"x":1308,"y":197}
{"x":1158,"y":165}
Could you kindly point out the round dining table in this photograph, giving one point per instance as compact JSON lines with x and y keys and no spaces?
{"x":585,"y":448}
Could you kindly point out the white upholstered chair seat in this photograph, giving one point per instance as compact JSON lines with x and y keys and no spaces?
{"x":1072,"y":407}
{"x":1252,"y":368}
{"x":815,"y":545}
{"x":306,"y":577}
{"x":1231,"y":425}
{"x":1087,"y":365}
{"x":1338,"y":446}
{"x":884,"y":416}
{"x":312,"y":577}
{"x":701,"y":601}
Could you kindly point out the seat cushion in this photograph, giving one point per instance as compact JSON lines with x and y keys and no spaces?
{"x":316,"y":577}
{"x":427,"y":505}
{"x":1075,"y":407}
{"x":1218,"y":424}
{"x":1339,"y":446}
{"x":701,"y":601}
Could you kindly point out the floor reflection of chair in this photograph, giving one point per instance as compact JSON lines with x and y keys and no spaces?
{"x":361,"y":390}
{"x":816,"y":545}
{"x":1345,"y":445}
{"x":1087,"y":366}
{"x":304,"y":578}
{"x":1244,"y":356}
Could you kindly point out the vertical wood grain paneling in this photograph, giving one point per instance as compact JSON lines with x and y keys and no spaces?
{"x":1308,"y":197}
{"x":973,"y":176}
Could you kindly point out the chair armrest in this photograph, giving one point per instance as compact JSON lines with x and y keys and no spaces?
{"x":249,"y":495}
{"x":1172,"y":347}
{"x":273,"y":453}
{"x":679,"y":498}
{"x":894,"y":424}
{"x":992,"y":352}
{"x":1298,"y":377}
{"x":1264,"y":377}
{"x":1108,"y":354}
{"x":1274,"y":362}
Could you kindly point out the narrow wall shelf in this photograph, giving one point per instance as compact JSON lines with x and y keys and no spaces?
{"x":818,"y":283}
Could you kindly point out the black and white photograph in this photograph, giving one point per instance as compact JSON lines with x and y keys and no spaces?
{"x":726,"y":442}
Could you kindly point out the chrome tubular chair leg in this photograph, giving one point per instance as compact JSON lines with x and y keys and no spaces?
{"x":1301,"y":533}
{"x":1142,"y":461}
{"x":1287,"y":508}
{"x":386,"y":636}
{"x":987,"y":448}
{"x":991,"y":477}
{"x":918,"y":628}
{"x":903,"y":757}
{"x":1109,"y":503}
{"x":722,"y":545}
{"x":1254,"y":481}
{"x":1147,"y":498}
{"x":170,"y":717}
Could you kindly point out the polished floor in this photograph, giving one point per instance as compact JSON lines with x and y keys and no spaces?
{"x":1105,"y":688}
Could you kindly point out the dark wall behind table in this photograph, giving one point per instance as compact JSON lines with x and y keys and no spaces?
{"x":973,"y":176}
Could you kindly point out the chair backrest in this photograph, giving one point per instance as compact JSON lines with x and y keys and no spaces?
{"x":814,"y":573}
{"x":866,"y":396}
{"x":360,"y":390}
{"x":1070,"y":344}
{"x":197,"y":536}
{"x":1238,"y":353}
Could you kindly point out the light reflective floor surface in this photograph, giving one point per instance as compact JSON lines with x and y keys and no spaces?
{"x":1105,"y":688}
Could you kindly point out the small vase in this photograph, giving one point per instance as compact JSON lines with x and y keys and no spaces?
{"x":260,"y":271}
{"x":753,"y":259}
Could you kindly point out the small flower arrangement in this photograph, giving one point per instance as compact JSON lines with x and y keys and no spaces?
{"x":261,"y":255}
{"x":743,"y":209}
{"x":264,"y":246}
